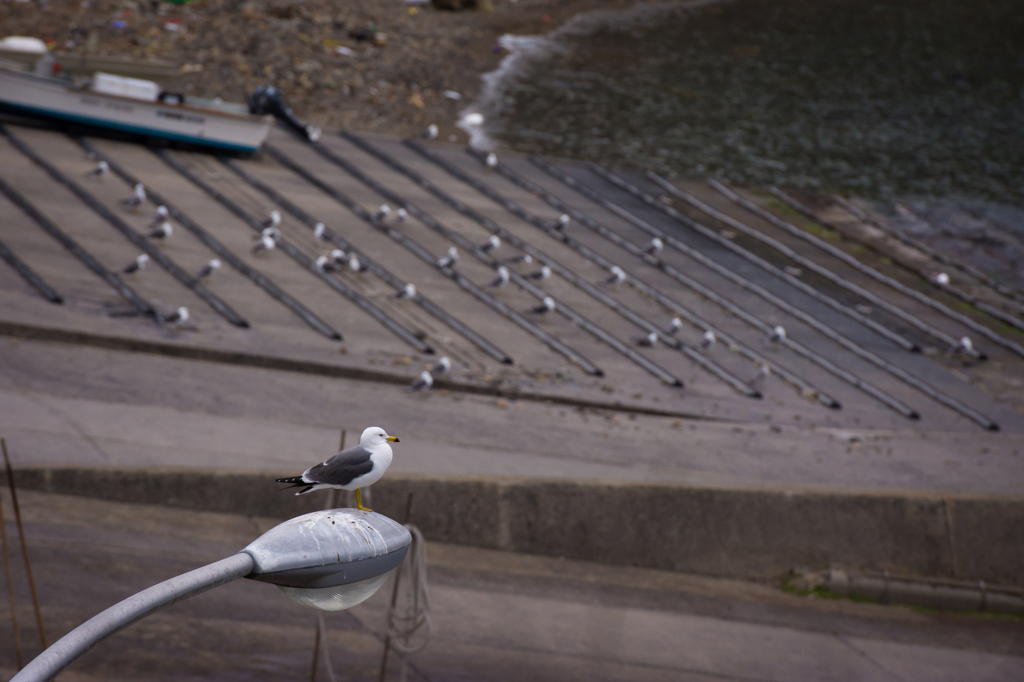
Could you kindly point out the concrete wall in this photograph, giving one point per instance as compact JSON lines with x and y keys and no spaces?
{"x":724,"y":532}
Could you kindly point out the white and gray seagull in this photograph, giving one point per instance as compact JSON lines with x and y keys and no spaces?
{"x":161,"y":215}
{"x":179,"y":316}
{"x":562,"y":222}
{"x":318,"y":231}
{"x":776,"y":335}
{"x":674,"y":326}
{"x":655,"y":247}
{"x":273,"y":220}
{"x":164,"y":231}
{"x":502,"y":278}
{"x":338,"y":256}
{"x":326,"y":264}
{"x":208,"y":269}
{"x":265,"y":243}
{"x":351,"y":469}
{"x":618,"y":275}
{"x":408,"y":291}
{"x":542,"y":274}
{"x":544,"y":307}
{"x":942,"y":279}
{"x":136,"y":265}
{"x":709,"y":340}
{"x":442,"y":366}
{"x":757,"y":382}
{"x":101,"y":169}
{"x":491,"y":244}
{"x":382,"y":213}
{"x":521,"y":258}
{"x":449,"y":259}
{"x":137,"y":199}
{"x":648,"y":341}
{"x":422,"y":383}
{"x":354,"y":264}
{"x":492,"y":160}
{"x":965,"y":345}
{"x":401,"y":214}
{"x":431,"y":132}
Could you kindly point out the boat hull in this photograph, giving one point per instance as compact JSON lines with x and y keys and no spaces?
{"x":31,"y":96}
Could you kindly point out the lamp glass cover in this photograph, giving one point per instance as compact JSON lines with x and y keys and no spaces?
{"x":336,"y":598}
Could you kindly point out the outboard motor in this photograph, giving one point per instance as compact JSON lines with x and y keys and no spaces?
{"x":266,"y":99}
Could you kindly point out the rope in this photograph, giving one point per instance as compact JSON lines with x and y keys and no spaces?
{"x":409,"y":616}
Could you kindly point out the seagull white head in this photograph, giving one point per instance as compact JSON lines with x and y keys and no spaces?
{"x":214,"y":264}
{"x":268,"y":242}
{"x":321,"y":261}
{"x":473,"y":119}
{"x":374,"y":437}
{"x":710,"y":337}
{"x":318,"y":231}
{"x":142,"y":259}
{"x":103,"y":166}
{"x":967,"y":344}
{"x":549,"y":303}
{"x":563,"y":219}
{"x":779,"y":332}
{"x":410,"y":290}
{"x":432,"y":131}
{"x":453,"y":253}
{"x":402,"y":215}
{"x":354,"y":265}
{"x":275,"y":218}
{"x":494,"y":241}
{"x":676,"y":324}
{"x":163,"y":212}
{"x":384,"y":209}
{"x":942,"y":278}
{"x":140,"y":192}
{"x":182,"y":314}
{"x":167,"y":228}
{"x":545,"y":271}
{"x":492,"y":160}
{"x":652,"y":338}
{"x":338,"y":255}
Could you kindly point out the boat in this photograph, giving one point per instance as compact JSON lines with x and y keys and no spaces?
{"x":129,"y":105}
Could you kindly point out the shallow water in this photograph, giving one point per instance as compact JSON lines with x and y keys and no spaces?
{"x":905,"y":97}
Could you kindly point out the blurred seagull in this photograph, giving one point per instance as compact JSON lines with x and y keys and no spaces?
{"x":351,"y":469}
{"x":265,"y":243}
{"x":382,"y":213}
{"x":273,"y":220}
{"x":709,"y":340}
{"x":208,"y":269}
{"x":545,"y":306}
{"x":338,"y":256}
{"x":425,"y":381}
{"x":776,"y":335}
{"x":161,"y":215}
{"x":354,"y":264}
{"x":326,"y":264}
{"x":674,"y":326}
{"x":449,"y":259}
{"x":521,"y":258}
{"x":942,"y":279}
{"x":492,"y":160}
{"x":649,"y":341}
{"x":541,"y":274}
{"x":401,"y":214}
{"x":136,"y":265}
{"x":491,"y":244}
{"x":137,"y":199}
{"x":318,"y":231}
{"x":655,"y":247}
{"x":179,"y":316}
{"x":408,"y":291}
{"x":101,"y":169}
{"x":617,"y":277}
{"x":431,"y":132}
{"x":502,"y":278}
{"x":757,"y":382}
{"x":162,"y":232}
{"x":562,"y":222}
{"x":442,"y":366}
{"x":964,"y":346}
{"x":271,"y":232}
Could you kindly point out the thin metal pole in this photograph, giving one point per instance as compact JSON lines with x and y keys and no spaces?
{"x":332,"y":498}
{"x":24,"y":547}
{"x":10,"y":587}
{"x":66,"y":650}
{"x":394,"y":601}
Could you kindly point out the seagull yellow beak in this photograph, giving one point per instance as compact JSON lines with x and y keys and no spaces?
{"x":393,"y":439}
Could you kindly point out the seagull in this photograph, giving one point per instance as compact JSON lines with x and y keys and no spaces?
{"x":354,"y":264}
{"x":137,"y":198}
{"x":521,"y":258}
{"x":545,"y":306}
{"x":357,"y":467}
{"x":964,"y":346}
{"x":318,"y":231}
{"x":272,"y":221}
{"x":162,"y":232}
{"x":942,"y":279}
{"x":542,"y":274}
{"x":502,"y":278}
{"x":562,"y":222}
{"x":618,"y":275}
{"x":674,"y":326}
{"x":401,"y":214}
{"x":161,"y":215}
{"x":757,"y":382}
{"x":425,"y":381}
{"x":326,"y":264}
{"x":338,"y":256}
{"x":209,"y":269}
{"x":271,"y":232}
{"x":101,"y":169}
{"x":492,"y":160}
{"x":776,"y":335}
{"x":179,"y":316}
{"x":382,"y":213}
{"x":649,"y":341}
{"x":431,"y":132}
{"x":136,"y":265}
{"x":449,"y":259}
{"x":442,"y":366}
{"x":491,"y":244}
{"x":266,"y":243}
{"x":655,"y":247}
{"x":408,"y":291}
{"x":709,"y":340}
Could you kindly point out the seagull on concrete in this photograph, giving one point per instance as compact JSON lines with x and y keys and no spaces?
{"x":617,"y":277}
{"x":408,"y":291}
{"x":265,"y":243}
{"x":648,"y":341}
{"x":326,"y":264}
{"x":942,"y":279}
{"x":709,"y":340}
{"x":655,"y":247}
{"x":338,"y":256}
{"x":318,"y":231}
{"x":544,"y":307}
{"x":161,"y":215}
{"x":491,"y":244}
{"x":422,"y":383}
{"x":542,"y":274}
{"x":776,"y":335}
{"x":431,"y":132}
{"x":354,"y":264}
{"x":137,"y":199}
{"x":965,"y":345}
{"x":521,"y":258}
{"x":273,"y":220}
{"x":162,"y":232}
{"x":271,"y":232}
{"x":401,"y":214}
{"x":208,"y":269}
{"x":136,"y":265}
{"x":382,"y":213}
{"x":502,"y":278}
{"x":351,"y":469}
{"x":674,"y":326}
{"x":449,"y":259}
{"x":442,"y":366}
{"x":101,"y":169}
{"x":179,"y":316}
{"x":492,"y":160}
{"x":757,"y":381}
{"x":562,"y":222}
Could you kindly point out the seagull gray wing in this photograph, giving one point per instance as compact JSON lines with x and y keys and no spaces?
{"x":341,"y":469}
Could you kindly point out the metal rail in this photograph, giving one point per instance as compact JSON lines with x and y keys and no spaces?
{"x":113,"y":280}
{"x":299,"y":257}
{"x":808,"y":263}
{"x":924,"y":248}
{"x":424,"y":255}
{"x":29,"y":275}
{"x":258,"y":278}
{"x":390,"y":278}
{"x":140,"y":242}
{"x":561,"y":308}
{"x":953,"y":291}
{"x":805,"y":388}
{"x":707,"y":364}
{"x":717,"y":299}
{"x":913,"y":293}
{"x":842,"y":340}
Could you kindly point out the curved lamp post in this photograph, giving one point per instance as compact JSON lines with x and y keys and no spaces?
{"x":330,"y":560}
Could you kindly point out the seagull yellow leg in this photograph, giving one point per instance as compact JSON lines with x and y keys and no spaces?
{"x":359,"y":501}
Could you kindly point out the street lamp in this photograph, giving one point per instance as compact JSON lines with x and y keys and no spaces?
{"x":330,"y":560}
